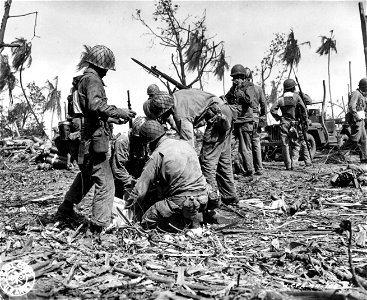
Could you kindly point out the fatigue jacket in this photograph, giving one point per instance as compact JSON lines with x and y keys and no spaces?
{"x":242,"y":112}
{"x":291,"y":106}
{"x":191,"y":104}
{"x":93,"y":102}
{"x":259,"y":106}
{"x":174,"y":169}
{"x":357,"y":103}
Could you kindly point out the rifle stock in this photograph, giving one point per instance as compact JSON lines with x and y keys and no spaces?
{"x":303,"y":121}
{"x":155,"y":72}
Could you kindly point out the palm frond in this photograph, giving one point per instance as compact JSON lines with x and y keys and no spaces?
{"x":82,"y":63}
{"x":221,"y":65}
{"x":194,"y":51}
{"x":328,"y":44}
{"x":22,"y":54}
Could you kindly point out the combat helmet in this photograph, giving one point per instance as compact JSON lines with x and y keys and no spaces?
{"x":238,"y":70}
{"x":152,"y":89}
{"x":363,"y":84}
{"x":288,"y":84}
{"x":137,"y":123}
{"x":101,"y":57}
{"x":157,"y":105}
{"x":150,"y":131}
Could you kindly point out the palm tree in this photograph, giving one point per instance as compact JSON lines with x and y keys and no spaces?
{"x":292,"y":52}
{"x":82,"y":63}
{"x":7,"y":78}
{"x":53,"y":99}
{"x":220,"y":65}
{"x":328,"y":44}
{"x":22,"y":56}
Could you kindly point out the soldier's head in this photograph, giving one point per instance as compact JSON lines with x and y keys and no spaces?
{"x":152,"y":90}
{"x":238,"y":72}
{"x":362,"y":85}
{"x":248,"y":74}
{"x":158,"y":105}
{"x":101,"y":59}
{"x":151,"y":132}
{"x":135,"y":129}
{"x":289,"y":85}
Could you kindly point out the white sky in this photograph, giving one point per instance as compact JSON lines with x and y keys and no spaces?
{"x":246,"y":27}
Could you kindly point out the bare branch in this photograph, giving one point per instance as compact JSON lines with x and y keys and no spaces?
{"x":35,"y":21}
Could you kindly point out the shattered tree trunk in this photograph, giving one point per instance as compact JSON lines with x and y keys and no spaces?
{"x":364,"y":34}
{"x":3,"y":23}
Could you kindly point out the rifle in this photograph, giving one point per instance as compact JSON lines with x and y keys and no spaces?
{"x":129,"y":107}
{"x":303,"y":121}
{"x":155,"y":72}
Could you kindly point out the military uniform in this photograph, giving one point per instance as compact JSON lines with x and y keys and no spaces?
{"x":173,"y":172}
{"x":92,"y":153}
{"x":293,"y":109}
{"x":243,"y":105}
{"x":356,"y":107}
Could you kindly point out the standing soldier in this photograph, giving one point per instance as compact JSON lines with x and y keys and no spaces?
{"x":259,"y":113}
{"x":92,"y":152}
{"x":241,"y":97}
{"x":356,"y":117}
{"x":293,"y":110}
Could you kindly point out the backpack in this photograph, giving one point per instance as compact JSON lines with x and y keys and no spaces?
{"x":245,"y":93}
{"x":74,"y":107}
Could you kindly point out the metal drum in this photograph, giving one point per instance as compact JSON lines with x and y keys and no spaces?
{"x":64,"y":130}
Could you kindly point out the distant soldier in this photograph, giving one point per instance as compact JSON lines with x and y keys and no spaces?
{"x":293,"y":110}
{"x":356,"y":115}
{"x":173,"y":171}
{"x":259,"y":113}
{"x":152,"y":90}
{"x":241,"y":97}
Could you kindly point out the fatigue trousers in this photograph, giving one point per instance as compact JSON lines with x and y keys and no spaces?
{"x":245,"y":137}
{"x":177,"y":210}
{"x":256,"y":147}
{"x":358,"y":136}
{"x":303,"y":151}
{"x":95,"y":170}
{"x":216,"y":165}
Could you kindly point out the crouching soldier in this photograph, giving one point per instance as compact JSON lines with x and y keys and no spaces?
{"x":173,"y":172}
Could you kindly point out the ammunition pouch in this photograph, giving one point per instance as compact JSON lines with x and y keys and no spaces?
{"x":100,"y":140}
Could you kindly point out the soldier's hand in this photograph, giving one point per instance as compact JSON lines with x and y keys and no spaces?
{"x":127,"y":113}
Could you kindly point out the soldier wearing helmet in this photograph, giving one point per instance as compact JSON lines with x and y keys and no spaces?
{"x":174,"y":171}
{"x":152,"y":90}
{"x":192,"y":108}
{"x":291,"y":106}
{"x":95,"y":169}
{"x":244,"y":99}
{"x":356,"y":115}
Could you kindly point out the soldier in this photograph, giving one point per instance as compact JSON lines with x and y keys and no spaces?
{"x":356,"y":118}
{"x":259,"y":114}
{"x":152,"y":90}
{"x":92,"y":152}
{"x":173,"y":170}
{"x":241,"y":97}
{"x":193,"y":108}
{"x":293,"y":109}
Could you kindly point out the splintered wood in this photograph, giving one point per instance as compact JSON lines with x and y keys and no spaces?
{"x":283,"y":241}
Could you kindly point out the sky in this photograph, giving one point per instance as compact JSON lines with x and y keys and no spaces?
{"x":245,"y":27}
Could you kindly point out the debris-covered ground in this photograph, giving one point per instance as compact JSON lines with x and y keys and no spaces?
{"x":288,"y":239}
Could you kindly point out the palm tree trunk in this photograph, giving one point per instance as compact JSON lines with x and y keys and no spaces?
{"x":29,"y":104}
{"x":290,"y":71}
{"x":328,"y":74}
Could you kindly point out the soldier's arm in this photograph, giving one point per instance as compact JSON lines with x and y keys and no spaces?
{"x":97,"y":103}
{"x":262,"y":102}
{"x":352,"y":105}
{"x":145,"y":181}
{"x":274,"y":110}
